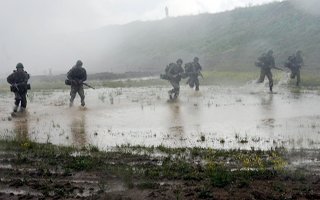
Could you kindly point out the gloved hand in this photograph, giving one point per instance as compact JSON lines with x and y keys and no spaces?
{"x":74,"y":82}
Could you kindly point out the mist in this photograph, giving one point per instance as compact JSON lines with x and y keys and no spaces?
{"x":46,"y":35}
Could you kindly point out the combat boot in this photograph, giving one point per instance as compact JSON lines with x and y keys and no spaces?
{"x":170,"y":94}
{"x":270,"y":88}
{"x":15,"y":109}
{"x":197,"y":88}
{"x":83,"y":103}
{"x":70,"y":104}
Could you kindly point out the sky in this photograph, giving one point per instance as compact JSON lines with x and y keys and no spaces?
{"x":27,"y":22}
{"x":81,"y":15}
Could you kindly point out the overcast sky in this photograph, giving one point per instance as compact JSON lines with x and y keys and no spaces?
{"x":80,"y":15}
{"x":24,"y":23}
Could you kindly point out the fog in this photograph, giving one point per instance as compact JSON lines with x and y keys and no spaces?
{"x":45,"y":34}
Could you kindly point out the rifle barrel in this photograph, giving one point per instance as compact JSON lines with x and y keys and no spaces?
{"x":89,"y":86}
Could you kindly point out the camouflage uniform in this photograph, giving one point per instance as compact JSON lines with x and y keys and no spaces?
{"x":266,"y":62}
{"x":193,"y":70}
{"x":77,"y":75}
{"x":19,"y":85}
{"x":174,"y":72}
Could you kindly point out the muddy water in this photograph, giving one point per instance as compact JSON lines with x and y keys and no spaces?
{"x":219,"y":117}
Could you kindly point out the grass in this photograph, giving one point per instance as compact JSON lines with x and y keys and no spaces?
{"x":175,"y":162}
{"x":151,"y":168}
{"x":218,"y":77}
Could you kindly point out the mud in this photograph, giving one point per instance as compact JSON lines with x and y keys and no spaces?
{"x":44,"y":171}
{"x":217,"y":117}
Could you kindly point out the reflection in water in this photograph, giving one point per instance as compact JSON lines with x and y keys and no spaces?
{"x":267,"y":110}
{"x":267,"y":102}
{"x":21,"y":127}
{"x":78,"y":129}
{"x":296,"y":92}
{"x":176,"y":128}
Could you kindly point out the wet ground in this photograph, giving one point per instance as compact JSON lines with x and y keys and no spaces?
{"x":242,"y":117}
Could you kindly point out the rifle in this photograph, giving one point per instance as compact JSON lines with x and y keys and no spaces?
{"x":278,"y":68}
{"x":14,"y":88}
{"x":89,"y":86}
{"x":200,"y":74}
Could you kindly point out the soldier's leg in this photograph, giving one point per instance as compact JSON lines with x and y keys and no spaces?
{"x":196,"y":82}
{"x":191,"y":82}
{"x":81,"y":94}
{"x":170,"y":92}
{"x":176,"y":87}
{"x":17,"y":100}
{"x":262,"y":75}
{"x":292,"y":75}
{"x":23,"y":101}
{"x":269,"y":75}
{"x":298,"y":78}
{"x":73,"y":94}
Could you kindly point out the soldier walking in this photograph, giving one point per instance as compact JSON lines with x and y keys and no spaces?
{"x":193,"y":71}
{"x":19,"y":86}
{"x":266,"y":63}
{"x":174,"y":72}
{"x":77,"y":75}
{"x":295,"y":63}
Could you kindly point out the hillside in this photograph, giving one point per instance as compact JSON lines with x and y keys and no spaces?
{"x":228,"y":40}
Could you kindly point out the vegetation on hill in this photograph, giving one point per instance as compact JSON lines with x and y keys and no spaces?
{"x":229,"y":40}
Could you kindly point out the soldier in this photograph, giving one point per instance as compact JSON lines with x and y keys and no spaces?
{"x":295,"y":63}
{"x":298,"y":63}
{"x":193,"y":70}
{"x":266,"y":63}
{"x":77,"y":75}
{"x":19,"y":85}
{"x":174,"y":72}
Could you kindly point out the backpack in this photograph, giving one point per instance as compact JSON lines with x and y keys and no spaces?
{"x":169,"y":67}
{"x":188,"y":67}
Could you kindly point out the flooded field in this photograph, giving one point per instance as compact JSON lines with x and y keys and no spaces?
{"x":244,"y":117}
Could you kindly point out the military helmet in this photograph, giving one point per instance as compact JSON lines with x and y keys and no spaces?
{"x":196,"y":59}
{"x":79,"y":63}
{"x":19,"y":65}
{"x":179,"y":61}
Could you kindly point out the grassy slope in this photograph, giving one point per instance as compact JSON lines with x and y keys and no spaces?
{"x":228,"y":41}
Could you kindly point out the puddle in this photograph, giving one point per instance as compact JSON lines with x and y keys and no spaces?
{"x":217,"y":117}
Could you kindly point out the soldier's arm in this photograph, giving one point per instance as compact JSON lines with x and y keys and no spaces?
{"x":27,"y":77}
{"x":181,"y":71}
{"x":84,"y":75}
{"x":273,"y":65}
{"x":301,"y":62}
